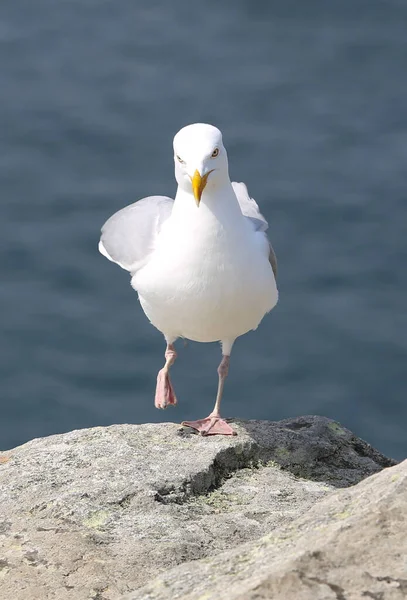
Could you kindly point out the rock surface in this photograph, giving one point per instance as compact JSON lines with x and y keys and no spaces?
{"x":350,"y":546}
{"x":98,"y":513}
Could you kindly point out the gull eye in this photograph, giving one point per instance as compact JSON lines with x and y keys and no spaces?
{"x":215,"y":153}
{"x":179,"y":159}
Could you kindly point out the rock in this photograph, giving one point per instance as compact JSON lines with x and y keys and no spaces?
{"x":97,"y":513}
{"x":350,"y":546}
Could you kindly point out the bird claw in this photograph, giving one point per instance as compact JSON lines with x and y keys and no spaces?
{"x":164,"y":393}
{"x":210,"y":426}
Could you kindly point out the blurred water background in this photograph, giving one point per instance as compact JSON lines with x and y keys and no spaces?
{"x":311,"y":97}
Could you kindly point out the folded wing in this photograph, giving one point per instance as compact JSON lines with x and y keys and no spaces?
{"x":250,"y":209}
{"x":129,"y":236}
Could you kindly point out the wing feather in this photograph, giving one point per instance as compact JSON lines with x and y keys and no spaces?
{"x":129,"y":236}
{"x":250,"y":209}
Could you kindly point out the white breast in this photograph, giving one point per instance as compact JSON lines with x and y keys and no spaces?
{"x":209,"y":277}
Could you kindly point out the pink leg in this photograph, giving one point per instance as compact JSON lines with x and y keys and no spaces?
{"x":214,"y":424}
{"x":164,"y":393}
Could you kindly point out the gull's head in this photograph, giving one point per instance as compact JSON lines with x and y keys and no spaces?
{"x":201,"y":162}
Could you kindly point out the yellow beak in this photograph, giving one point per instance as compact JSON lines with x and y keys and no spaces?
{"x":198,"y":185}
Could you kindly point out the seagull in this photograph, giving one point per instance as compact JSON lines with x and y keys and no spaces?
{"x":202,"y":264}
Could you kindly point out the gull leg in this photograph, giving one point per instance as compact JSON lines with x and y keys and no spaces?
{"x":214,"y":424}
{"x":164,"y":393}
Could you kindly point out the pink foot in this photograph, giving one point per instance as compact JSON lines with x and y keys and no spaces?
{"x":210,"y":426}
{"x":164,"y":393}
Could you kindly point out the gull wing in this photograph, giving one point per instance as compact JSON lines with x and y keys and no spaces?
{"x":250,"y":209}
{"x":129,"y":236}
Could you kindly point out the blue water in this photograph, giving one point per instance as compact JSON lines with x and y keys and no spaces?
{"x":312,"y":100}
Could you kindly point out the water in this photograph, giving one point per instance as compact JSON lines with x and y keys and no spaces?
{"x":311,"y":98}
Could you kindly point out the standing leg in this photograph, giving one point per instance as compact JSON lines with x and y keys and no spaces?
{"x":164,"y":393}
{"x":214,"y":424}
{"x":223,"y":371}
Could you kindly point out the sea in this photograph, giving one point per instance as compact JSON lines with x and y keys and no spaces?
{"x":311,"y":98}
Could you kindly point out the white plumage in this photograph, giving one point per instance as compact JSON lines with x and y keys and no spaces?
{"x":202,"y":264}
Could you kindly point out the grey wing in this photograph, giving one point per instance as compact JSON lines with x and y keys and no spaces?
{"x":250,"y":209}
{"x":273,"y":260}
{"x":129,"y":236}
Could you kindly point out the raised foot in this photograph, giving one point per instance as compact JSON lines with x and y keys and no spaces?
{"x":164,"y":393}
{"x":210,"y":426}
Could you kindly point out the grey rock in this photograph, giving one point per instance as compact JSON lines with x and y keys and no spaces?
{"x":97,"y":513}
{"x":350,"y":546}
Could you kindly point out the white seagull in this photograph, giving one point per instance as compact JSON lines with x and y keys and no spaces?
{"x":202,"y":264}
